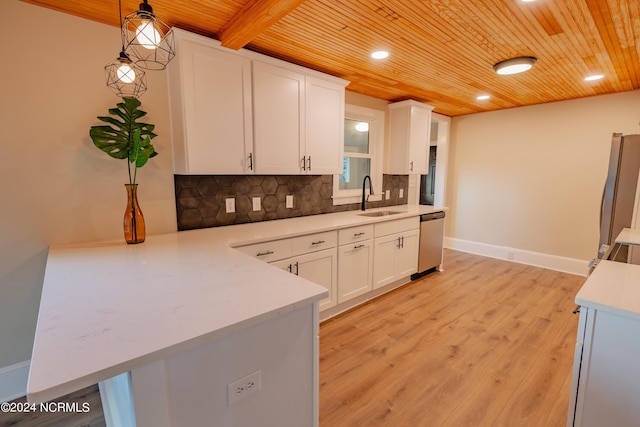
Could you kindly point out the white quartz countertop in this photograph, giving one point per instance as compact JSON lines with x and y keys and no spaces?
{"x":109,"y":307}
{"x":629,"y":236}
{"x":613,"y":287}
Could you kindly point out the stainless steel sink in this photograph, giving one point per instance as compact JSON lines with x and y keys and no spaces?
{"x":379,"y":213}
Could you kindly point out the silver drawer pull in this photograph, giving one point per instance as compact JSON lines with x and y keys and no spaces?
{"x":319,"y":242}
{"x":358,"y":247}
{"x":358,"y":234}
{"x":264,"y":253}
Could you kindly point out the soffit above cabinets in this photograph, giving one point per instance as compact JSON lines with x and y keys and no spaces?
{"x":442,"y":52}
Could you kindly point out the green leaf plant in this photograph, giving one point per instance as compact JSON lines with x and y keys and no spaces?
{"x":123,"y":137}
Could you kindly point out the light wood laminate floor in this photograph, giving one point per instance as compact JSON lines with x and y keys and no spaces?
{"x":483,"y":343}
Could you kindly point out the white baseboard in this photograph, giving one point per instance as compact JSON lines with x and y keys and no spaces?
{"x":552,"y":262}
{"x":13,"y":381}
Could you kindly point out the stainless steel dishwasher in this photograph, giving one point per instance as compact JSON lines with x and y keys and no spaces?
{"x":431,"y":236}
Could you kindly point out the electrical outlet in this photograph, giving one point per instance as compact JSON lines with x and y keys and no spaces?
{"x":256,"y":203}
{"x":230,"y":205}
{"x":387,"y":194}
{"x":401,"y":193}
{"x":289,"y":201}
{"x":243,"y":387}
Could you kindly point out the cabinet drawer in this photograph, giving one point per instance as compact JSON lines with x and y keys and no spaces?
{"x":269,"y":251}
{"x":313,"y":242}
{"x":396,"y":226}
{"x":355,"y":234}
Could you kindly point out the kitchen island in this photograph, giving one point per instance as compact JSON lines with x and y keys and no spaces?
{"x":191,"y":319}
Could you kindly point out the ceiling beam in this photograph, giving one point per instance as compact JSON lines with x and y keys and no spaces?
{"x":253,"y":19}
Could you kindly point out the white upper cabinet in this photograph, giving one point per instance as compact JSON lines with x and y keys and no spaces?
{"x":239,"y":112}
{"x":409,"y":129}
{"x":211,"y":111}
{"x":324,"y":126}
{"x":278,"y":103}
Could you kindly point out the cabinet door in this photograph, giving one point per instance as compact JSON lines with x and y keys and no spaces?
{"x":321,"y":268}
{"x":420,"y":125}
{"x":324,"y":127}
{"x":407,"y":254}
{"x":211,"y":111}
{"x":278,"y":106}
{"x":354,"y":270}
{"x":384,"y":253}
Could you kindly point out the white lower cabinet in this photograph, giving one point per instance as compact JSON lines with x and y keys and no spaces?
{"x":355,"y":261}
{"x":395,"y":255}
{"x":606,"y":373}
{"x":318,"y":267}
{"x":349,"y":262}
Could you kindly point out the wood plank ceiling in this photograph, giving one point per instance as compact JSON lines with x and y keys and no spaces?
{"x":441,"y":51}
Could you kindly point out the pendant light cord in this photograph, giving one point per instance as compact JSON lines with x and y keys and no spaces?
{"x":120,"y":23}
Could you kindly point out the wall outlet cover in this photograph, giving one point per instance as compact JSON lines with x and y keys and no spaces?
{"x":230,"y":204}
{"x":401,"y":193}
{"x":256,"y":203}
{"x":289,"y":201}
{"x":387,"y":194}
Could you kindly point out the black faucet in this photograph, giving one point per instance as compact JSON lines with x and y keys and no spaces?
{"x":364,"y":181}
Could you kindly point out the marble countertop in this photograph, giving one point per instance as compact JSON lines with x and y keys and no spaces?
{"x":109,"y":307}
{"x":613,"y":287}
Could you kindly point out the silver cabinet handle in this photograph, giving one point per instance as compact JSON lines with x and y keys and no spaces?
{"x":264,"y":253}
{"x":319,"y":242}
{"x":290,"y":268}
{"x":358,"y":234}
{"x":402,"y":242}
{"x":411,"y":166}
{"x":399,"y":243}
{"x":251,"y":161}
{"x":359,"y":246}
{"x":297,"y":268}
{"x":309,"y":167}
{"x":304,"y":163}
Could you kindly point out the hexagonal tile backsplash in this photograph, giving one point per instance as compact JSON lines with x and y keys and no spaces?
{"x":200,"y":199}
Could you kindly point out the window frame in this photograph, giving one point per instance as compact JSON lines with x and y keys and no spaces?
{"x":376,"y":120}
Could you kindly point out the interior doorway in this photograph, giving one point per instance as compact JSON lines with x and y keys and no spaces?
{"x":433,"y":185}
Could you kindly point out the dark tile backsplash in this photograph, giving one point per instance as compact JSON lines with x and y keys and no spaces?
{"x":200,"y":199}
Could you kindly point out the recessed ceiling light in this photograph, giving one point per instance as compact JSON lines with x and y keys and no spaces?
{"x":593,"y":77}
{"x":379,"y":54}
{"x":527,"y":1}
{"x":482,"y":97}
{"x":515,"y":65}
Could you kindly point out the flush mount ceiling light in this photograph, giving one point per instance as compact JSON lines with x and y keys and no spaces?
{"x":593,"y":77}
{"x":148,"y":40}
{"x":124,"y":78}
{"x":482,"y":97}
{"x":515,"y":65}
{"x":379,"y":54}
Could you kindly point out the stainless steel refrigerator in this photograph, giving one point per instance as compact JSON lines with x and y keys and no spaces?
{"x":618,"y":199}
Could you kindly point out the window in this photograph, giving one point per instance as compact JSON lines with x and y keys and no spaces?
{"x":363,"y":140}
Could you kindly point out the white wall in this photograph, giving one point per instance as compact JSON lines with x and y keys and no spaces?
{"x":531,"y":178}
{"x":57,"y":187}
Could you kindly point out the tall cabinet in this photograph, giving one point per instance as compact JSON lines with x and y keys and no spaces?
{"x":239,"y":112}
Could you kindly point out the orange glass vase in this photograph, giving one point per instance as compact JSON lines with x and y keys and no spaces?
{"x":133,"y":218}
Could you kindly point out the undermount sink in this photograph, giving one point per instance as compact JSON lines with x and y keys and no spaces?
{"x":379,"y":213}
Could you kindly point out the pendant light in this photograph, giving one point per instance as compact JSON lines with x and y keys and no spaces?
{"x":148,"y":40}
{"x":124,"y":77}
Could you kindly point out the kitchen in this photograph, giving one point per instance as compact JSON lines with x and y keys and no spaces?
{"x":522,"y":183}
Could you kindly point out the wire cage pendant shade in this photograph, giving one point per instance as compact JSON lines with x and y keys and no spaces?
{"x":148,"y":40}
{"x":124,"y":78}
